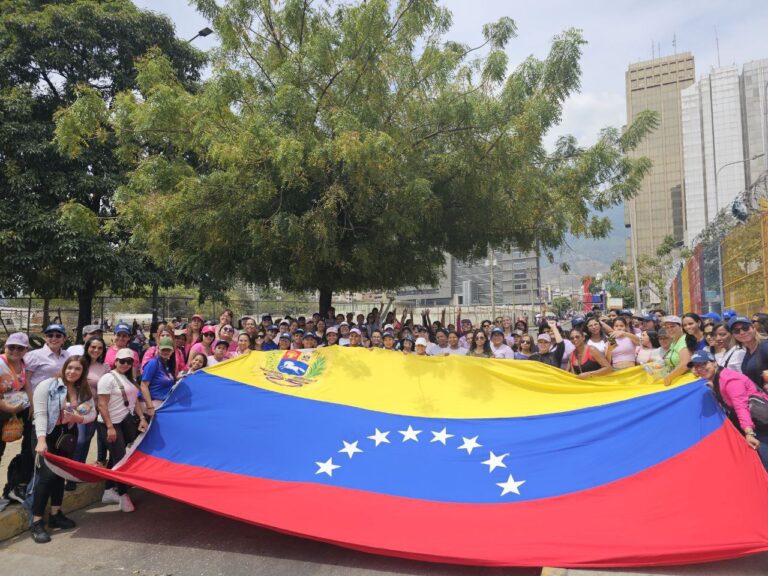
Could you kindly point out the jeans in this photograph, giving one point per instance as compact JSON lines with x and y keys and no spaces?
{"x":762,"y":450}
{"x":85,"y":434}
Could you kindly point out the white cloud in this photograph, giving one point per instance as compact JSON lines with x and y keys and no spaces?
{"x":585,"y":114}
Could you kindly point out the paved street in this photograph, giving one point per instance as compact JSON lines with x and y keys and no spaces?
{"x":164,"y":537}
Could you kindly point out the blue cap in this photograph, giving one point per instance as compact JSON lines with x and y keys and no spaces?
{"x":387,"y":335}
{"x":738,"y":320}
{"x":55,"y":328}
{"x":310,"y":335}
{"x":728,"y":314}
{"x":285,"y":336}
{"x":299,"y":331}
{"x":122,"y":327}
{"x":577,"y":321}
{"x":649,"y":318}
{"x":272,"y":327}
{"x":701,"y":357}
{"x":497,"y":331}
{"x":712,"y":316}
{"x":266,"y":316}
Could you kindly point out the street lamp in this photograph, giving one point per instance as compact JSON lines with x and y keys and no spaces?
{"x":201,"y":34}
{"x":717,"y":174}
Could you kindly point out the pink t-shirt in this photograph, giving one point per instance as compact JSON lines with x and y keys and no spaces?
{"x":624,"y":351}
{"x":112,"y":352}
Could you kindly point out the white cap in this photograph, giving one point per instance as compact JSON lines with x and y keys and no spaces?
{"x":124,"y":354}
{"x":421,"y":341}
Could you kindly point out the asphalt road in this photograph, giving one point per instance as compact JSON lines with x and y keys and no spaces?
{"x":163,"y":537}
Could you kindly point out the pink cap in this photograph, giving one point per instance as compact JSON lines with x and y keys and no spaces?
{"x":18,"y":339}
{"x":208,"y":330}
{"x":332,"y":330}
{"x":356,"y":331}
{"x":198,"y":317}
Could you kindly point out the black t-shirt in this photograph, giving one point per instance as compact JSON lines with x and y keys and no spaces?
{"x":755,"y":364}
{"x":554,"y":357}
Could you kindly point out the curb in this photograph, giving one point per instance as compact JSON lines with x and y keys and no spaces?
{"x":14,"y":520}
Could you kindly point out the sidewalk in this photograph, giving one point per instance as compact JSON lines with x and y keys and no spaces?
{"x":756,"y":565}
{"x":14,"y":519}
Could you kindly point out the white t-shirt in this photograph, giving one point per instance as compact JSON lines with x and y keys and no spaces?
{"x":732,"y":357}
{"x":108,"y":384}
{"x":456,"y":351}
{"x":435,"y":350}
{"x":597,"y":345}
{"x":503,"y":352}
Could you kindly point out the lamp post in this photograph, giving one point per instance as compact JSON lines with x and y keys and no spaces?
{"x":201,"y":34}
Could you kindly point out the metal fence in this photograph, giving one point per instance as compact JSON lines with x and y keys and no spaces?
{"x":29,"y":314}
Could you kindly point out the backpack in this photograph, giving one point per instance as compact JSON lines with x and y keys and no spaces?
{"x":15,"y":475}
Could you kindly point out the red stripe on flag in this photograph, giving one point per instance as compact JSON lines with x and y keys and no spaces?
{"x":708,"y":503}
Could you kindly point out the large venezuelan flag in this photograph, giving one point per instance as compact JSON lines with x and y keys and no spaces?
{"x":457,"y":459}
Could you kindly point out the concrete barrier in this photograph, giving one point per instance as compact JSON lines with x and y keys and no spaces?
{"x":14,"y":520}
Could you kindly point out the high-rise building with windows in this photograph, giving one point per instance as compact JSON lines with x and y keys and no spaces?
{"x":658,"y":209}
{"x":725,"y":128}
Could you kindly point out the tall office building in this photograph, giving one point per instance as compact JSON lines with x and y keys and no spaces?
{"x":658,"y":209}
{"x":724,"y":140}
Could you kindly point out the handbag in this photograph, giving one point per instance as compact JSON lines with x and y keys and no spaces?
{"x":758,"y":409}
{"x":13,"y":429}
{"x":65,"y":445}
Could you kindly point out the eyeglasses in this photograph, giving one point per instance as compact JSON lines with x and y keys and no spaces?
{"x":486,"y":325}
{"x":740,"y":329}
{"x":54,"y":335}
{"x":478,"y":337}
{"x":708,"y":334}
{"x":208,"y":335}
{"x":15,"y":348}
{"x":228,"y":329}
{"x":125,"y":361}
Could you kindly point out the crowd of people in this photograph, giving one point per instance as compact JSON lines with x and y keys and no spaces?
{"x":58,"y":398}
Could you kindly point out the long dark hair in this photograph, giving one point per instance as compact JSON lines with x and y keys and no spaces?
{"x":486,"y":347}
{"x":653,"y":336}
{"x":87,"y":357}
{"x":81,"y":386}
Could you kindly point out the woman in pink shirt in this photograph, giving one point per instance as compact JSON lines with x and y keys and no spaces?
{"x":732,"y":390}
{"x":622,"y":343}
{"x":203,"y":346}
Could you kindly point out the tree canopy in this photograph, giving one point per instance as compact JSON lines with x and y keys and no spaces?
{"x":59,"y":234}
{"x":350,"y":146}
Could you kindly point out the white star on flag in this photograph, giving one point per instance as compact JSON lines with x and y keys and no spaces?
{"x":410,"y":434}
{"x":326,"y":467}
{"x":510,"y":486}
{"x":469,"y":444}
{"x":441,"y":436}
{"x":350,"y":448}
{"x":494,"y":461}
{"x":380,"y":437}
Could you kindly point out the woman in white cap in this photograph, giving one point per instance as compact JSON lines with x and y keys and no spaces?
{"x":59,"y":404}
{"x":15,"y":400}
{"x":680,"y":350}
{"x":355,"y":338}
{"x":421,"y":346}
{"x":116,"y":423}
{"x":733,"y":391}
{"x":331,"y":336}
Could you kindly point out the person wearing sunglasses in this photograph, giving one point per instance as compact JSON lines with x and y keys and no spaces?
{"x":480,"y":346}
{"x":46,"y":362}
{"x":227,"y":333}
{"x":755,"y":363}
{"x":525,"y":347}
{"x":204,"y":344}
{"x":732,"y":391}
{"x":15,"y":401}
{"x":115,"y":424}
{"x":728,"y":353}
{"x":121,"y":340}
{"x":157,"y":379}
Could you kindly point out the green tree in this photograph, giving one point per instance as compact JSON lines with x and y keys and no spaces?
{"x":58,"y":233}
{"x":350,"y":147}
{"x":619,"y":282}
{"x":561,"y":305}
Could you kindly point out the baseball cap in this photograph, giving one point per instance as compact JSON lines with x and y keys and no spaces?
{"x":57,"y":328}
{"x":671,"y":320}
{"x":310,"y":335}
{"x":332,"y":330}
{"x":198,"y":317}
{"x":165,"y":343}
{"x":18,"y":339}
{"x":701,"y":357}
{"x":91,"y":328}
{"x":356,"y":331}
{"x":649,"y":318}
{"x":272,"y":328}
{"x":421,"y":341}
{"x":121,"y":328}
{"x":497,"y":331}
{"x":266,"y":317}
{"x":388,"y":335}
{"x":179,"y":332}
{"x":738,"y":320}
{"x":544,"y":337}
{"x":208,"y":330}
{"x":577,"y":321}
{"x":728,"y":314}
{"x":466,"y":321}
{"x":284,"y":321}
{"x":285,"y":336}
{"x":220,"y":342}
{"x":712,"y":316}
{"x":125,"y":354}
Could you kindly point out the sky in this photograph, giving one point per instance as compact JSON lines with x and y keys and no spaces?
{"x":618,"y":33}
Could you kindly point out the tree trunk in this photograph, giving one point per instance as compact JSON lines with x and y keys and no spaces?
{"x":84,"y":308}
{"x":46,"y":312}
{"x":155,"y":296}
{"x":326,"y":297}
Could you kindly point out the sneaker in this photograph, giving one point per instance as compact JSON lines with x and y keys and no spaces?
{"x":70,"y":486}
{"x":19,"y":493}
{"x":101,"y":463}
{"x":110,"y":496}
{"x":125,"y":503}
{"x":39,"y":533}
{"x":58,"y":520}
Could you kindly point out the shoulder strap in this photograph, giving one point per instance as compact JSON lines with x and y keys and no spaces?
{"x":116,"y":378}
